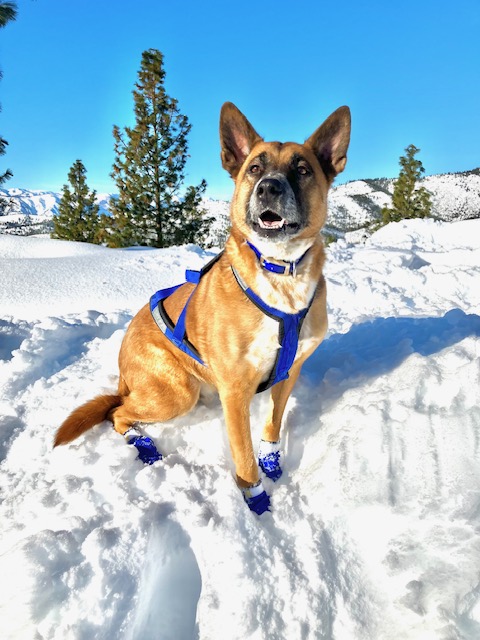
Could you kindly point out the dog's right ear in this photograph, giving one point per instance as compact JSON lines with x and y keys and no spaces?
{"x":237,"y":138}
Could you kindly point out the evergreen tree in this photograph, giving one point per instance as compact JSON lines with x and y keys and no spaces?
{"x":8,"y":11}
{"x":6,"y":175}
{"x":408,"y":201}
{"x":149,"y":169}
{"x":77,"y":217}
{"x":188,"y":221}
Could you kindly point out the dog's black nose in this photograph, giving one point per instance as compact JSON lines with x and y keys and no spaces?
{"x":269,"y":187}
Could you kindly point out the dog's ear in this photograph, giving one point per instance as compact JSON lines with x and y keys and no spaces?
{"x":237,"y":138}
{"x":330,"y":142}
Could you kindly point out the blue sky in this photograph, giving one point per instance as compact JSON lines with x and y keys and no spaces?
{"x":409,"y":70}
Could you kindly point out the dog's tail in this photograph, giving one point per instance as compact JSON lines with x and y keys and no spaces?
{"x":85,"y":417}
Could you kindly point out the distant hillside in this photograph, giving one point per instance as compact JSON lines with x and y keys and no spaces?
{"x":30,"y":212}
{"x":351,"y":206}
{"x":455,"y":196}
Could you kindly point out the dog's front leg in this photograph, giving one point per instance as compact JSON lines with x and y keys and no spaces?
{"x":269,"y":450}
{"x":236,"y":409}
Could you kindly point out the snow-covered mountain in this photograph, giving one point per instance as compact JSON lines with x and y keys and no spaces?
{"x":40,"y":203}
{"x":31,"y":211}
{"x":455,"y":196}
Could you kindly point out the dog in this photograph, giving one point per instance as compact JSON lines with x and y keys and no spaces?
{"x":251,"y":318}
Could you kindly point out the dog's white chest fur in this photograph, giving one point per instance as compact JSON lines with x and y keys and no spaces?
{"x":264,"y":347}
{"x":262,"y":351}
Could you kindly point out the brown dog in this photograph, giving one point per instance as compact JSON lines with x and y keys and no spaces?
{"x":268,"y":280}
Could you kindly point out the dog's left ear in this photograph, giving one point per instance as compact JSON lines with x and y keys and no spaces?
{"x":237,"y":138}
{"x":330,"y":142}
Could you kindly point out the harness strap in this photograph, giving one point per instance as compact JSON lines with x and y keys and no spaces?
{"x":177,"y":333}
{"x":289,"y":327}
{"x":166,"y":325}
{"x":289,"y":324}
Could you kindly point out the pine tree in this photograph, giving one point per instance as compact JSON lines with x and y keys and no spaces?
{"x":188,"y":221}
{"x":408,"y":200}
{"x":6,"y":175}
{"x":8,"y":11}
{"x":149,"y":169}
{"x":77,"y":217}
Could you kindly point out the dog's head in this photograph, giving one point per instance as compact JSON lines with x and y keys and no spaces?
{"x":281,"y":189}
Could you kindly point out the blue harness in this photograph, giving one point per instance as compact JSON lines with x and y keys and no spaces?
{"x":289,"y":324}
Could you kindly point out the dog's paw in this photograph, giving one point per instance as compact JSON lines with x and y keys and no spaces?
{"x":269,"y":459}
{"x":256,"y":498}
{"x":147,"y":451}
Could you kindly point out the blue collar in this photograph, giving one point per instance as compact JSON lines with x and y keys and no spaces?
{"x":285,"y":269}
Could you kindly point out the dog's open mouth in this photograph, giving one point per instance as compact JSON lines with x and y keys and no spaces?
{"x":271,"y":224}
{"x":271,"y":220}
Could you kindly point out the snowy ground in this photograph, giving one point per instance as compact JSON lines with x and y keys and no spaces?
{"x":374,"y":530}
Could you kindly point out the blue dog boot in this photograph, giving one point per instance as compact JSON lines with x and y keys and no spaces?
{"x":147,"y":451}
{"x":269,"y":459}
{"x":256,"y":498}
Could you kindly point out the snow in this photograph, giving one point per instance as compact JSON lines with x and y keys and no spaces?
{"x":374,"y":529}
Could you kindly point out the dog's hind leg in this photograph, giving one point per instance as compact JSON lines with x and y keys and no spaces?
{"x":156,"y":400}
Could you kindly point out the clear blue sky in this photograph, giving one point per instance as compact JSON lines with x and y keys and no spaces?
{"x":409,"y":70}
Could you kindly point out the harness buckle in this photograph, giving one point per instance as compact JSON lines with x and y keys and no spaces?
{"x":192,"y":276}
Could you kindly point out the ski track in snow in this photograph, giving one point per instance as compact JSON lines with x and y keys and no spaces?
{"x":374,"y":530}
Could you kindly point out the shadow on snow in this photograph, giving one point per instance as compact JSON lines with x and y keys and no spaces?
{"x":377,"y":347}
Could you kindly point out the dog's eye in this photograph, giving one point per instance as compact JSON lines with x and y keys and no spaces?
{"x":255,"y":168}
{"x":302,"y":170}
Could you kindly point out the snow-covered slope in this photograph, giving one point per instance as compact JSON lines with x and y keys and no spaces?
{"x":40,"y":203}
{"x":373,"y":533}
{"x":455,"y":196}
{"x":33,"y":203}
{"x":28,"y":212}
{"x":219,"y":211}
{"x":355,"y":204}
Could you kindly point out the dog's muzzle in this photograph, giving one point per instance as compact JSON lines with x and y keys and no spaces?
{"x":273,"y":211}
